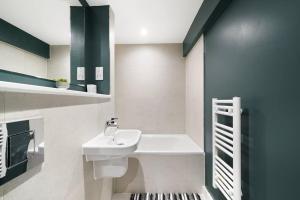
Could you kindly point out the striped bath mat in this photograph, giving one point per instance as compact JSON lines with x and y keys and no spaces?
{"x":164,"y":196}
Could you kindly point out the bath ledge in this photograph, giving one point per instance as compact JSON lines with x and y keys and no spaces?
{"x":167,"y":144}
{"x":168,"y":153}
{"x":10,"y":87}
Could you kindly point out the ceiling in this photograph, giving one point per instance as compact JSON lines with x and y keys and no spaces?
{"x":164,"y":21}
{"x":48,"y":20}
{"x":136,"y":21}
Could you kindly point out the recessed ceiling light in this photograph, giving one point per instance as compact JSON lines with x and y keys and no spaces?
{"x":144,"y":32}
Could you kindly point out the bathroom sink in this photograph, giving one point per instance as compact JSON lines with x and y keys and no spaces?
{"x":109,"y":154}
{"x":102,"y":147}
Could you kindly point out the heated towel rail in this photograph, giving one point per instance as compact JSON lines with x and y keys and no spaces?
{"x":3,"y":139}
{"x":226,"y":128}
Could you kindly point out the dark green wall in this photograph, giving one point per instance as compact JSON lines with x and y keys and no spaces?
{"x":253,"y":51}
{"x":90,"y":45}
{"x":84,"y":3}
{"x":15,"y":77}
{"x":97,"y":46}
{"x":77,"y":42}
{"x":23,"y":40}
{"x":206,"y":16}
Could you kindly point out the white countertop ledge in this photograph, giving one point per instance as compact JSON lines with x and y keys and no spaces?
{"x":10,"y":87}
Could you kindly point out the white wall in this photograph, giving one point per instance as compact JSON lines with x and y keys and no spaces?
{"x":195,"y":93}
{"x":162,"y":173}
{"x":142,"y":73}
{"x":150,"y":87}
{"x":19,"y":60}
{"x":68,"y":123}
{"x":59,"y":62}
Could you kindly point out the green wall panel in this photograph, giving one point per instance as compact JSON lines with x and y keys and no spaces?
{"x":77,"y":42}
{"x":252,"y":51}
{"x":98,"y":51}
{"x":23,"y":40}
{"x":14,"y":77}
{"x":209,"y":11}
{"x":84,"y":3}
{"x":90,"y":44}
{"x":25,"y":79}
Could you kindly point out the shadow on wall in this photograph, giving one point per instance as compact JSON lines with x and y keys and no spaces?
{"x":14,"y":183}
{"x":246,"y":145}
{"x":89,"y":182}
{"x":36,"y":101}
{"x":250,"y":140}
{"x":134,"y":175}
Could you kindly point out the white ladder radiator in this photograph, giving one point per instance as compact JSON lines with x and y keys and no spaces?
{"x":3,"y":139}
{"x":227,"y":147}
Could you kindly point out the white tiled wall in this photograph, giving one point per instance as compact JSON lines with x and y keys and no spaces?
{"x":59,"y":58}
{"x":158,"y":91}
{"x":19,"y":60}
{"x":195,"y":93}
{"x":64,"y":174}
{"x":150,"y":87}
{"x":157,"y":173}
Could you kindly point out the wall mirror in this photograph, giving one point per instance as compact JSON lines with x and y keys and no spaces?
{"x":45,"y":42}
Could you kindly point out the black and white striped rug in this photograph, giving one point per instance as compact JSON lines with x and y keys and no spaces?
{"x":165,"y":196}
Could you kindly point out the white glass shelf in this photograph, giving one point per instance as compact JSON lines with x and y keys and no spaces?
{"x":33,"y":89}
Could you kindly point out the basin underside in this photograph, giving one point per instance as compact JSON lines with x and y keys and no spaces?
{"x":109,"y":153}
{"x":110,"y":168}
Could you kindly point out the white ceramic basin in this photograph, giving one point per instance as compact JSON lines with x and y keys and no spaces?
{"x":104,"y":147}
{"x":110,"y":153}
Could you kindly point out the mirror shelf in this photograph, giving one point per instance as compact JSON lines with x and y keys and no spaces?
{"x":11,"y":87}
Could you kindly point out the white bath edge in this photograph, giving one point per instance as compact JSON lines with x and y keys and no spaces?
{"x":165,"y":153}
{"x":167,"y":145}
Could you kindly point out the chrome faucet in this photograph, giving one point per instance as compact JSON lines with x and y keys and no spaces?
{"x":113,"y":122}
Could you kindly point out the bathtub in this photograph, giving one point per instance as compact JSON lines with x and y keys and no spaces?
{"x":167,"y":144}
{"x":164,"y":163}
